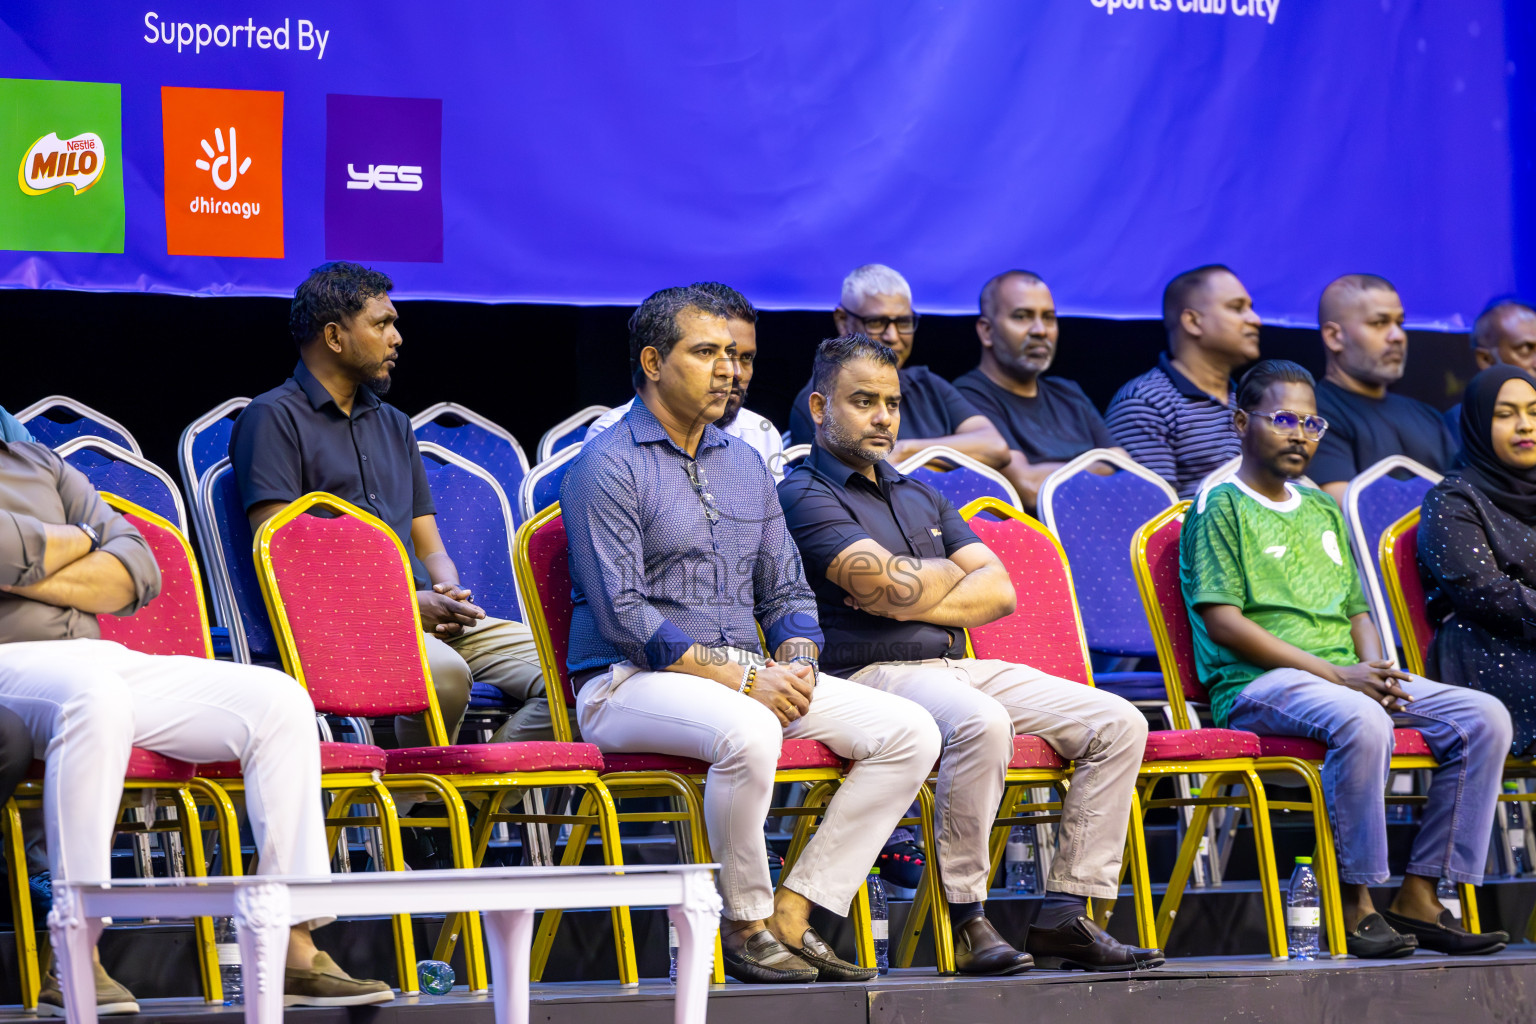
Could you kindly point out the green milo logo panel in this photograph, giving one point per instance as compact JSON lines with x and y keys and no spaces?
{"x":61,"y":166}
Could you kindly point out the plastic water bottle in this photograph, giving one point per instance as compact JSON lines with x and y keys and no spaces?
{"x":1402,"y":785}
{"x":1515,"y":813}
{"x":1449,"y":896}
{"x":436,"y":978}
{"x":880,"y":921}
{"x":228,"y":947}
{"x":672,"y":951}
{"x":1020,"y":862}
{"x":1303,"y":916}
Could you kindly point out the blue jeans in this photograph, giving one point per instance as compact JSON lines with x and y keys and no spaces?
{"x":1468,"y":732}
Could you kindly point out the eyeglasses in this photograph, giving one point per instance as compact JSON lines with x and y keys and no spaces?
{"x":1283,"y":421}
{"x":875,"y":326}
{"x":701,"y":488}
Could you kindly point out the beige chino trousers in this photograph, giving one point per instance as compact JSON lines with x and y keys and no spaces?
{"x":891,"y":742}
{"x":496,"y":651}
{"x":979,"y":707}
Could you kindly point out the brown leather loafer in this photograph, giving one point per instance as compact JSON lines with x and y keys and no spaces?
{"x":829,"y":966}
{"x":979,"y":949}
{"x":1084,"y":946}
{"x":764,"y":960}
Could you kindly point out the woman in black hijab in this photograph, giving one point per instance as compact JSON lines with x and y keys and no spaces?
{"x":1477,"y":549}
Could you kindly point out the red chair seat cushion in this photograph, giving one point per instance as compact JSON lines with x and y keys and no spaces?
{"x":794,"y":754}
{"x":334,"y":758}
{"x":1200,"y":744}
{"x":496,"y":758}
{"x":1405,"y":742}
{"x":1034,"y":752}
{"x":143,"y":766}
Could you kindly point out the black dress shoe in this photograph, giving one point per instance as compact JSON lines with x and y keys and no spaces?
{"x":764,"y":960}
{"x":1374,"y":939}
{"x":980,"y":950}
{"x":1084,"y":946}
{"x":1447,"y":935}
{"x":827,"y":964}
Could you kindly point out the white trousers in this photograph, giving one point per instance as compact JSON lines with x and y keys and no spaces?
{"x":979,"y":706}
{"x":892,"y":743}
{"x":88,"y":702}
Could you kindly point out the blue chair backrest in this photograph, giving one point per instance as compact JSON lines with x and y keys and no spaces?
{"x":233,"y":530}
{"x":54,"y":424}
{"x":115,"y":469}
{"x":568,"y":438}
{"x":472,"y":518}
{"x":500,"y":457}
{"x":568,"y":431}
{"x":1095,"y":518}
{"x":205,"y":441}
{"x":961,"y":485}
{"x":1381,"y":503}
{"x":542,"y":487}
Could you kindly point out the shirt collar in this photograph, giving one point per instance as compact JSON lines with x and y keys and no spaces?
{"x":645,"y":428}
{"x":836,"y":471}
{"x":1182,"y":384}
{"x":362,"y":400}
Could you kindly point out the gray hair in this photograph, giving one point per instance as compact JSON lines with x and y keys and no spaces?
{"x":872,"y":279}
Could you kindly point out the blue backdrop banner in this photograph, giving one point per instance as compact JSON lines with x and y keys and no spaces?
{"x":589,"y":152}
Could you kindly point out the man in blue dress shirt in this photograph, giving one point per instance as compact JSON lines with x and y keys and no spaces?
{"x":678,"y":551}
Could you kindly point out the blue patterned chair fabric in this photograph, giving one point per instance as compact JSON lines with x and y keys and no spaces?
{"x":55,"y":425}
{"x":128,"y":481}
{"x":481,"y":447}
{"x":1383,"y":502}
{"x":470,"y":520}
{"x":960,"y":485}
{"x":1096,"y":517}
{"x":235,"y":541}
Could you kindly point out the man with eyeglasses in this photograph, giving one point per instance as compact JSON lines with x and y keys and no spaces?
{"x":876,"y":302}
{"x":1361,"y":319}
{"x":1286,"y":646}
{"x":678,"y":553}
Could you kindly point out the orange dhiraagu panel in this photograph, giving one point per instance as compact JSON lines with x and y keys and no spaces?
{"x":223,"y":172}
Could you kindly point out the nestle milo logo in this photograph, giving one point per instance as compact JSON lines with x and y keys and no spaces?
{"x":52,"y":162}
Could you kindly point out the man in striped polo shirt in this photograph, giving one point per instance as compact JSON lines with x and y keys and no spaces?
{"x":1176,"y":419}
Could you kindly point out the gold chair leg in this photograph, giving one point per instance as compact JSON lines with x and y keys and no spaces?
{"x":1264,"y":847}
{"x":1168,"y":909}
{"x":230,"y":858}
{"x":549,"y":921}
{"x":394,"y":860}
{"x":1327,"y":861}
{"x":207,"y":953}
{"x":1469,"y":916}
{"x":613,"y":856}
{"x":1135,"y":863}
{"x":21,"y":907}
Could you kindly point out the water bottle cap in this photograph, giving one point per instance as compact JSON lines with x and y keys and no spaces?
{"x":1303,"y":860}
{"x":875,"y":872}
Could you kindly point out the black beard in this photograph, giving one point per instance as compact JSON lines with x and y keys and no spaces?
{"x":378,"y":385}
{"x":846,"y":445}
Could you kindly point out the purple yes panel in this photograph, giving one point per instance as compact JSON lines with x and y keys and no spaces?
{"x":383,"y":179}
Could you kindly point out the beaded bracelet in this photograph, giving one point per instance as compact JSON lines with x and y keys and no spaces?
{"x":748,"y":677}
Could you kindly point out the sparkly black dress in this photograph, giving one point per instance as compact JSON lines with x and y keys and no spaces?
{"x":1478,"y":564}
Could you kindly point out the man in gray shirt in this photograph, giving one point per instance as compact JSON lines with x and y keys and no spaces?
{"x":67,"y":557}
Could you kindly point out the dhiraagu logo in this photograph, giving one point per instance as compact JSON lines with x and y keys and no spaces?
{"x":66,"y":141}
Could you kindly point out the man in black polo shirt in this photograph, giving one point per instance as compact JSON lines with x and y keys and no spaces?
{"x":1361,"y":319}
{"x":877,"y":301}
{"x":1047,"y":421}
{"x":898,"y":577}
{"x":326,"y":429}
{"x":1504,"y":332}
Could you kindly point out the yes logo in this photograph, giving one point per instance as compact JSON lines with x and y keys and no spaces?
{"x":66,"y":141}
{"x":383,"y":179}
{"x":223,"y":172}
{"x":52,"y":162}
{"x":389,"y":177}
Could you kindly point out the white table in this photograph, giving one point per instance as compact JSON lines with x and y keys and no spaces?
{"x":263,"y":905}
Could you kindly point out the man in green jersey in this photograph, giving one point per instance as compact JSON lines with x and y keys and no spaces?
{"x":1285,"y":645}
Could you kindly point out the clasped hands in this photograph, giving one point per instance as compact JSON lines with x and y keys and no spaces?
{"x":446,"y":611}
{"x":785,"y":689}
